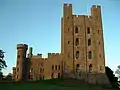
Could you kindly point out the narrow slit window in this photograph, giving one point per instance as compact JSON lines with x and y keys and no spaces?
{"x":76,"y":30}
{"x":77,"y":41}
{"x":90,"y":68}
{"x":89,"y":54}
{"x":77,"y":54}
{"x":89,"y":42}
{"x":88,"y":30}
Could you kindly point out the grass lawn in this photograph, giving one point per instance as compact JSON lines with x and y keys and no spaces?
{"x":49,"y":85}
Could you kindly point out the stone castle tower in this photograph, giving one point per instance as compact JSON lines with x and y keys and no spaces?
{"x":82,"y":39}
{"x":82,"y":51}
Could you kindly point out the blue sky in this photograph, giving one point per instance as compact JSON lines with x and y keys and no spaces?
{"x":37,"y":23}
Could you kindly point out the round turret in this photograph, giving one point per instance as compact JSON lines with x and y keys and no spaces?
{"x":21,"y":61}
{"x":22,"y":46}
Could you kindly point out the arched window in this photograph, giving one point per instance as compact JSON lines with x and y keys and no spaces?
{"x":77,"y":41}
{"x":77,"y":54}
{"x":89,"y":54}
{"x":76,"y":30}
{"x":89,"y":42}
{"x":90,"y":68}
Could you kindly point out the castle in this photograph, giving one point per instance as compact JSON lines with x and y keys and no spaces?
{"x":82,"y":51}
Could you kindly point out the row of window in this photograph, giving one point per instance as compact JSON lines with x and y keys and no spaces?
{"x":88,"y":30}
{"x":41,"y":70}
{"x":55,"y":67}
{"x":77,"y":42}
{"x":52,"y":75}
{"x":89,"y":55}
{"x":76,"y":30}
{"x":78,"y":67}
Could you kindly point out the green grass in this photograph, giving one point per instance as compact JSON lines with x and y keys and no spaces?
{"x":48,"y":85}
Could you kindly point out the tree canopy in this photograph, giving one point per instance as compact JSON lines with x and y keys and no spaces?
{"x":118,"y":72}
{"x":113,"y":80}
{"x":2,"y":61}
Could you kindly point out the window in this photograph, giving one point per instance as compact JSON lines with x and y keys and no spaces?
{"x":89,"y":54}
{"x":98,"y":31}
{"x":90,"y":68}
{"x":17,"y":76}
{"x":77,"y":41}
{"x":77,"y":68}
{"x":68,"y":29}
{"x":31,"y":77}
{"x":68,"y":42}
{"x":52,"y":75}
{"x":55,"y":67}
{"x":40,"y":77}
{"x":52,"y":67}
{"x":43,"y":77}
{"x":99,"y":42}
{"x":18,"y":56}
{"x":76,"y":30}
{"x":89,"y":42}
{"x":77,"y":54}
{"x":41,"y":70}
{"x":58,"y":75}
{"x":88,"y":30}
{"x":59,"y":67}
{"x":77,"y":65}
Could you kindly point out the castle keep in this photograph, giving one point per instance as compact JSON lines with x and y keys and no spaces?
{"x":82,"y":51}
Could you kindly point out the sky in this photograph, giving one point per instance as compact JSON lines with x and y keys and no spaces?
{"x":38,"y":24}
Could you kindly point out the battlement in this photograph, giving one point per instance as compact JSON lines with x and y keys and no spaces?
{"x":81,"y":16}
{"x":67,"y":5}
{"x":40,"y":55}
{"x":96,"y":6}
{"x":44,"y":58}
{"x":22,"y":46}
{"x":52,"y":54}
{"x":14,"y":68}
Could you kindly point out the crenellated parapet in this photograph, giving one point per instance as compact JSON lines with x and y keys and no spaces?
{"x":52,"y":54}
{"x":40,"y":55}
{"x":96,"y":6}
{"x":22,"y":46}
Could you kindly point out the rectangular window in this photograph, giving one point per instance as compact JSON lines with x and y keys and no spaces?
{"x":55,"y":67}
{"x":52,"y":67}
{"x":89,"y":54}
{"x":88,"y":30}
{"x":18,"y":56}
{"x":89,"y":42}
{"x":68,"y":42}
{"x":59,"y":67}
{"x":17,"y":76}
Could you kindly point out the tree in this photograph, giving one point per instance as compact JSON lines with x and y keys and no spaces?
{"x":9,"y":77}
{"x":2,"y":61}
{"x":118,"y":72}
{"x":113,"y":80}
